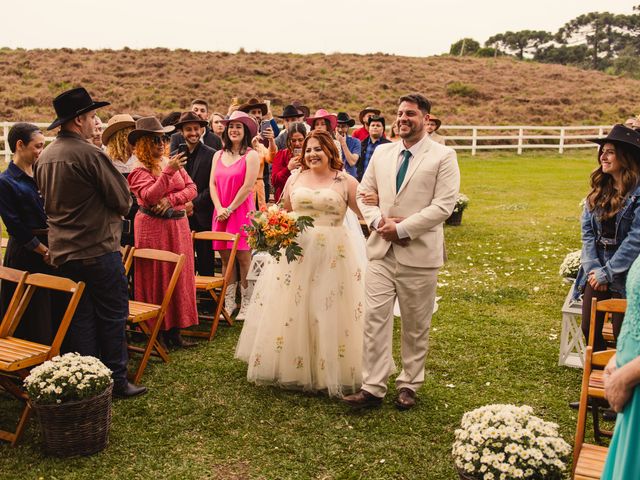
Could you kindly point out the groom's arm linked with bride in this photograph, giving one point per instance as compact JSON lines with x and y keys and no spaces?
{"x":417,"y":182}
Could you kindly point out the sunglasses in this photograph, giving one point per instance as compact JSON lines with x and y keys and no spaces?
{"x":157,"y":140}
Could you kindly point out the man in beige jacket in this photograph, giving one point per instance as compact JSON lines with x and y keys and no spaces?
{"x":417,"y":181}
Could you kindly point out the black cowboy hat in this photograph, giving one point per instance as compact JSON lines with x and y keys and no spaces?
{"x":72,"y":103}
{"x":301,"y":108}
{"x":190,"y":117}
{"x":253,"y":104}
{"x":344,"y":117}
{"x":620,"y":134}
{"x":290,"y":112}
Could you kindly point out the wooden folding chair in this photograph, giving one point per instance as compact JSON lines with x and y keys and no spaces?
{"x":216,"y":285}
{"x":125,"y":251}
{"x":18,"y":356}
{"x":140,"y":312}
{"x":596,"y":384}
{"x":588,"y":459}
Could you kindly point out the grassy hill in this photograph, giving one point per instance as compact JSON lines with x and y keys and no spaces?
{"x":463,"y":90}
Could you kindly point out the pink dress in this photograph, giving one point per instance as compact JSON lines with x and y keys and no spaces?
{"x":229,"y":179}
{"x":151,"y":278}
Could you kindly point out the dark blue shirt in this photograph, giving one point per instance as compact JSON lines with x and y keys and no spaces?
{"x":354,"y":146}
{"x":21,"y":206}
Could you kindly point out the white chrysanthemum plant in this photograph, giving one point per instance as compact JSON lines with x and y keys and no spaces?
{"x":67,"y":378}
{"x":462,"y":202}
{"x":570,"y":265}
{"x":499,"y":442}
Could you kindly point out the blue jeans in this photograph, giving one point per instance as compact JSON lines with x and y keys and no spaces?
{"x":98,"y":326}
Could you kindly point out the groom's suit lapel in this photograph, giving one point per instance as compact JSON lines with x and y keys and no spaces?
{"x":392,"y":166}
{"x":414,"y":163}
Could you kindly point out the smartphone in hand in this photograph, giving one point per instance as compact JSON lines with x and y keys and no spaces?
{"x":264,"y":125}
{"x":183,"y":148}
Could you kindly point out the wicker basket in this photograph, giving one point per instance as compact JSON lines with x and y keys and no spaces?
{"x":76,"y":428}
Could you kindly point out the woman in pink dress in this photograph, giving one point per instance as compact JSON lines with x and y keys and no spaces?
{"x":162,"y":188}
{"x":233,"y":175}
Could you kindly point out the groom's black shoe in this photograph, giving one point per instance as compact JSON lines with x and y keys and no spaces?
{"x":362,"y":399}
{"x":406,"y":399}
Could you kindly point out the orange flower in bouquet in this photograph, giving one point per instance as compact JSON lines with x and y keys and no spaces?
{"x":274,"y":229}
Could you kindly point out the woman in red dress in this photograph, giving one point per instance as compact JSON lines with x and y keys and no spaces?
{"x":162,"y":188}
{"x":288,"y":159}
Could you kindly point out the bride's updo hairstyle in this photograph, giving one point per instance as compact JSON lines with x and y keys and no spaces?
{"x":328,"y":146}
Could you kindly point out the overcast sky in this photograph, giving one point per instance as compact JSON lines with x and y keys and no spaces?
{"x":401,"y":27}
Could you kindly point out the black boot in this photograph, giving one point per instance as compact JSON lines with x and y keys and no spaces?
{"x":177,"y":340}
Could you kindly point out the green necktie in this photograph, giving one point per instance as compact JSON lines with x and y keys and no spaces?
{"x":404,"y":166}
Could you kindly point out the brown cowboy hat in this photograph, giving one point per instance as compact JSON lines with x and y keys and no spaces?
{"x":362,"y":113}
{"x":433,"y":118}
{"x":148,"y":126}
{"x":115,"y":124}
{"x":71,"y":104}
{"x":252,"y":104}
{"x":244,"y":118}
{"x":190,"y":117}
{"x":302,"y":108}
{"x":322,"y":113}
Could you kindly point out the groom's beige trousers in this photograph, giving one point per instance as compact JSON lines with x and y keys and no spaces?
{"x":416,"y":291}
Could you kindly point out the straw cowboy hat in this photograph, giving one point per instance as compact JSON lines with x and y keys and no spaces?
{"x":433,"y":118}
{"x":322,"y":113}
{"x":252,"y":104}
{"x":71,"y":104}
{"x":620,"y":134}
{"x":362,"y":113}
{"x":148,"y":126}
{"x":344,"y":117}
{"x":190,"y":117}
{"x":245,"y":119}
{"x":115,"y":124}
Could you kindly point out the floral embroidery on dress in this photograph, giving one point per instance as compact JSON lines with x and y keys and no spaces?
{"x":341,"y":251}
{"x":341,"y":349}
{"x":287,"y":279}
{"x":256,"y":360}
{"x":358,"y":275}
{"x":321,"y":240}
{"x":341,"y":289}
{"x":279,"y":343}
{"x":299,"y":362}
{"x":333,"y":264}
{"x":359,"y":311}
{"x":298,"y":297}
{"x":328,"y":301}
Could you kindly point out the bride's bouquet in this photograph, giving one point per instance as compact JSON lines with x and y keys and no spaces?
{"x":274,"y":229}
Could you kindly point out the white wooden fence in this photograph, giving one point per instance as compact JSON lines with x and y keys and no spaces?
{"x":469,"y":137}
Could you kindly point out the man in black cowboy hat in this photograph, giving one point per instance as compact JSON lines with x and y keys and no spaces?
{"x":207,"y":137}
{"x":85,"y":198}
{"x":198,"y":166}
{"x":350,"y":146}
{"x":374,"y":140}
{"x":290,"y":115}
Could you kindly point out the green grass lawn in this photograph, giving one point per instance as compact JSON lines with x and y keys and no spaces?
{"x":495,"y":339}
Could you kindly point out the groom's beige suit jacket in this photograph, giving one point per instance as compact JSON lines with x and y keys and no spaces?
{"x":426,"y":199}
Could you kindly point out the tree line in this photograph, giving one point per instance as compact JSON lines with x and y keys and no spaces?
{"x":597,"y":40}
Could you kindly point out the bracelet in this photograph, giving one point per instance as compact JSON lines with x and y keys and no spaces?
{"x":229,"y":210}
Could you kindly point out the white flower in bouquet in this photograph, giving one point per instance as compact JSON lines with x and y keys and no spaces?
{"x":462,"y":202}
{"x":570,"y":265}
{"x":506,"y":441}
{"x":67,"y":378}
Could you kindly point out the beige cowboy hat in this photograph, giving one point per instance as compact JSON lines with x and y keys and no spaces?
{"x":375,"y":111}
{"x":433,"y":118}
{"x":148,"y":126}
{"x":115,"y":124}
{"x":252,"y":104}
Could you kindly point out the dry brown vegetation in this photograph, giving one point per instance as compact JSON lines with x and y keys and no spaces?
{"x":463,"y":90}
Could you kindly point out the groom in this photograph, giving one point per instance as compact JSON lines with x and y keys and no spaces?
{"x":417,"y":181}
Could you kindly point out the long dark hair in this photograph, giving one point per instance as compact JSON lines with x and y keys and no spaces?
{"x":246,"y":140}
{"x":604,"y":198}
{"x":297,"y":127}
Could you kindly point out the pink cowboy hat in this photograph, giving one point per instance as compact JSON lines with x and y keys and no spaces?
{"x":243,"y":118}
{"x":322,"y":113}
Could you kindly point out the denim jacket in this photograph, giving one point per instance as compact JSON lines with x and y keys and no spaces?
{"x":612,"y":263}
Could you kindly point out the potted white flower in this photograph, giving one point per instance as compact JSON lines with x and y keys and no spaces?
{"x":500,"y":442}
{"x":462,"y":202}
{"x":71,"y":396}
{"x":570,"y":265}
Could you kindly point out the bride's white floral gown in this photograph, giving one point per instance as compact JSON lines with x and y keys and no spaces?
{"x":304,"y":326}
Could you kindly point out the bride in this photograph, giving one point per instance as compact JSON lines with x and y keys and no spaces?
{"x":304,"y":323}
